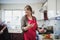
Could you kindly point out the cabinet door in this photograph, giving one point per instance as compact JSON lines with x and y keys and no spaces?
{"x":16,"y":36}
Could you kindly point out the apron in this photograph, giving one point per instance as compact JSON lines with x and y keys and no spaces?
{"x":31,"y":33}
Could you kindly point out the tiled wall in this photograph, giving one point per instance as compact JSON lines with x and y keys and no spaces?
{"x":54,"y":23}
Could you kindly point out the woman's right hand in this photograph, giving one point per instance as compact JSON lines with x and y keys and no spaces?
{"x":28,"y":26}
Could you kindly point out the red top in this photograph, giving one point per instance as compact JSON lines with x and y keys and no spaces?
{"x":31,"y":33}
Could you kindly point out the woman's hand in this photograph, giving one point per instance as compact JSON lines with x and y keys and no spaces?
{"x":28,"y":26}
{"x":41,"y":30}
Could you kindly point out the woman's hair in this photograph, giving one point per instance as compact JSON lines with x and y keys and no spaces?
{"x":28,"y":7}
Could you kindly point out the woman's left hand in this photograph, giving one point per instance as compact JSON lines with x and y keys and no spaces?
{"x":32,"y":24}
{"x":42,"y":30}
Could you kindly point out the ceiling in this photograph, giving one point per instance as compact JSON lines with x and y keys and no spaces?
{"x":21,"y":1}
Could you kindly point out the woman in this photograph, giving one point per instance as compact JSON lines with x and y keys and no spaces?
{"x":29,"y":24}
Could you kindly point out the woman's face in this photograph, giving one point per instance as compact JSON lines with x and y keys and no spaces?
{"x":27,"y":11}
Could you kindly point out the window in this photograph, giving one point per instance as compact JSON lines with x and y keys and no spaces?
{"x":13,"y":19}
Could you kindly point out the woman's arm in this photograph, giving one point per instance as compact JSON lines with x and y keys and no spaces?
{"x":24,"y":27}
{"x":37,"y":28}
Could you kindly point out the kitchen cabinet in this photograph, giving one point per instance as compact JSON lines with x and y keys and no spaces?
{"x":16,"y":36}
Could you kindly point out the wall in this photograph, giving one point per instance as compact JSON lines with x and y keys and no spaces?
{"x":58,"y":21}
{"x":0,"y":11}
{"x":51,"y":8}
{"x":58,"y":7}
{"x":35,"y":8}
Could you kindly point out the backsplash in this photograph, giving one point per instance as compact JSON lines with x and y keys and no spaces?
{"x":54,"y":23}
{"x":46,"y":23}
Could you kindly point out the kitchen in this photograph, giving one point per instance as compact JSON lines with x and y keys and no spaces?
{"x":10,"y":13}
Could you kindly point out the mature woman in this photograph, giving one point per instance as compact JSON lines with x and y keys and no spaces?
{"x":29,"y":24}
